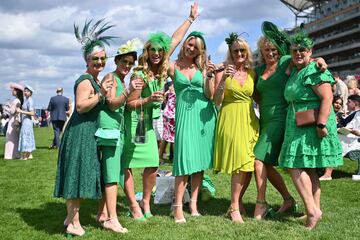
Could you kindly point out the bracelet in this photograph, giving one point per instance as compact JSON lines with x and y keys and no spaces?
{"x":190,"y":19}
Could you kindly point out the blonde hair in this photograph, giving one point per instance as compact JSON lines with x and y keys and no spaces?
{"x":261,"y":43}
{"x":201,"y":59}
{"x":144,"y":64}
{"x":352,"y":83}
{"x":243,"y":43}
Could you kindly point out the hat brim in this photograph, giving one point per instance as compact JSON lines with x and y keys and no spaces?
{"x":278,"y":38}
{"x":17,"y":86}
{"x":29,"y":88}
{"x":127,"y":53}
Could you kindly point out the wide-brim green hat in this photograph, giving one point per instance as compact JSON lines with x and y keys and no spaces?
{"x":277,"y":37}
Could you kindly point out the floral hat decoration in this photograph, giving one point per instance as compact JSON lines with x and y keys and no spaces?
{"x":301,"y":39}
{"x":162,"y":39}
{"x":277,"y":37}
{"x":130,"y":47}
{"x":233,"y":37}
{"x":90,"y":37}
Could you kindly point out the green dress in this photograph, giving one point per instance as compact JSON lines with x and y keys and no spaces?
{"x":78,"y":170}
{"x":195,"y":119}
{"x":272,"y":112}
{"x":110,"y":139}
{"x":302,"y":148}
{"x":144,"y":154}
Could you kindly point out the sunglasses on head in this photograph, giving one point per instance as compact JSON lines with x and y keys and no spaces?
{"x":96,"y":59}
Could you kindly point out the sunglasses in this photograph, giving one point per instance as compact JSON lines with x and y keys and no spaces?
{"x":96,"y":59}
{"x":300,"y":50}
{"x":241,"y":50}
{"x":156,"y":49}
{"x":127,"y":63}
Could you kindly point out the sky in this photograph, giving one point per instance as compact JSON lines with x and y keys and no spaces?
{"x":38,"y":46}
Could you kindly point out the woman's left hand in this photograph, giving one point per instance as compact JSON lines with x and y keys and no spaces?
{"x":194,"y":12}
{"x":321,"y":132}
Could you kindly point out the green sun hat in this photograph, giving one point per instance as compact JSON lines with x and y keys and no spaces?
{"x":277,"y":37}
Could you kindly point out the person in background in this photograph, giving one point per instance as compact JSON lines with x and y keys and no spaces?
{"x":341,"y":90}
{"x":348,"y":132}
{"x":309,"y":142}
{"x":58,"y":107}
{"x":352,"y":85}
{"x":13,"y":126}
{"x":27,"y":111}
{"x":338,"y":108}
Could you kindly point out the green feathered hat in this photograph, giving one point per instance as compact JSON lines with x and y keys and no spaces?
{"x":162,"y":39}
{"x":199,"y":35}
{"x":277,"y":37}
{"x":233,"y":37}
{"x":301,"y":39}
{"x":90,"y":37}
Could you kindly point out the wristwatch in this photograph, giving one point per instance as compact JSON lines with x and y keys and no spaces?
{"x":320,"y":125}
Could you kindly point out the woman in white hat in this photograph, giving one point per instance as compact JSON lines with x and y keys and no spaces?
{"x":27,"y":140}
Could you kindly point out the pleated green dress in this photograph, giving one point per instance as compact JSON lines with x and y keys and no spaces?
{"x":195,"y":119}
{"x":110,"y":139}
{"x":302,"y":148}
{"x":144,"y":154}
{"x":273,"y":108}
{"x":78,"y":170}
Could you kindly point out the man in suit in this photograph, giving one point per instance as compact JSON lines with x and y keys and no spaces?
{"x":58,"y":107}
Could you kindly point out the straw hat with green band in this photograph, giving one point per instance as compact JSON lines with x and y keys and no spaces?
{"x":162,"y":39}
{"x":199,"y":35}
{"x":130,"y":47}
{"x":301,"y":39}
{"x":277,"y":37}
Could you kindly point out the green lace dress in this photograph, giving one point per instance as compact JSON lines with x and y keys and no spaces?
{"x":78,"y":170}
{"x":143,"y":154}
{"x":272,"y":112}
{"x":110,"y":139}
{"x":195,"y":119}
{"x":302,"y":148}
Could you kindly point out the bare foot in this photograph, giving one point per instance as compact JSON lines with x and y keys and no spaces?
{"x":261,"y":209}
{"x":135,"y":211}
{"x":234,"y":215}
{"x":178,"y":213}
{"x":101,"y":217}
{"x":312,"y":220}
{"x":114,"y":225}
{"x":193,"y":208}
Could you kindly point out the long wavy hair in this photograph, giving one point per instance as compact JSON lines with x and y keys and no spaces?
{"x":144,"y":64}
{"x":201,"y":59}
{"x":243,"y":43}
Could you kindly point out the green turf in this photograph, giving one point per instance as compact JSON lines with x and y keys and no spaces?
{"x":29,"y":211}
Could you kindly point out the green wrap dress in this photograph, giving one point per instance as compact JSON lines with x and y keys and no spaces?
{"x":142,"y":155}
{"x":302,"y":148}
{"x":273,"y":108}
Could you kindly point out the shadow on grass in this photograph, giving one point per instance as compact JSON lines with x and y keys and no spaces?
{"x":49,"y":217}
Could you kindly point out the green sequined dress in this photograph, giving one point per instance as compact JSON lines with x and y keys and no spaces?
{"x":78,"y":170}
{"x":302,"y":148}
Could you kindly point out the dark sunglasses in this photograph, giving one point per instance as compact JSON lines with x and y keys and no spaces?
{"x":96,"y":59}
{"x":128,"y":63}
{"x":300,"y":50}
{"x":241,"y":50}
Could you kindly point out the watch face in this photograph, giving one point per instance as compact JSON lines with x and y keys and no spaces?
{"x":320,"y":125}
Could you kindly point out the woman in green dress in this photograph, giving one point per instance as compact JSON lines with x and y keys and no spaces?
{"x":272,"y":76}
{"x":110,"y":134}
{"x":152,"y":70}
{"x":310,"y":140}
{"x":78,"y":171}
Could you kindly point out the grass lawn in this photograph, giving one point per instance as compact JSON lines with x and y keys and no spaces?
{"x":29,"y":210}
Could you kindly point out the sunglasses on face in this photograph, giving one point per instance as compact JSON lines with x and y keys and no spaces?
{"x":300,"y":50}
{"x":96,"y":59}
{"x":240,"y":50}
{"x":159,"y":50}
{"x":127,"y":63}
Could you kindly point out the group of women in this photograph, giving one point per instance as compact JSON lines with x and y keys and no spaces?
{"x":228,"y":143}
{"x":20,"y":141}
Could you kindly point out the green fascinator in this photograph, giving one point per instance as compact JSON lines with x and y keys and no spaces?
{"x":162,"y":39}
{"x":233,"y":37}
{"x":90,"y":36}
{"x":277,"y":37}
{"x":198,"y":35}
{"x":131,"y":46}
{"x":301,"y":39}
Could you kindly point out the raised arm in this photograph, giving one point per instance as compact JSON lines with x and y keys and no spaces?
{"x":179,"y":34}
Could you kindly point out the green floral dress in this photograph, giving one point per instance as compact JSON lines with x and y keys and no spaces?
{"x":302,"y":148}
{"x":78,"y":171}
{"x":143,"y":154}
